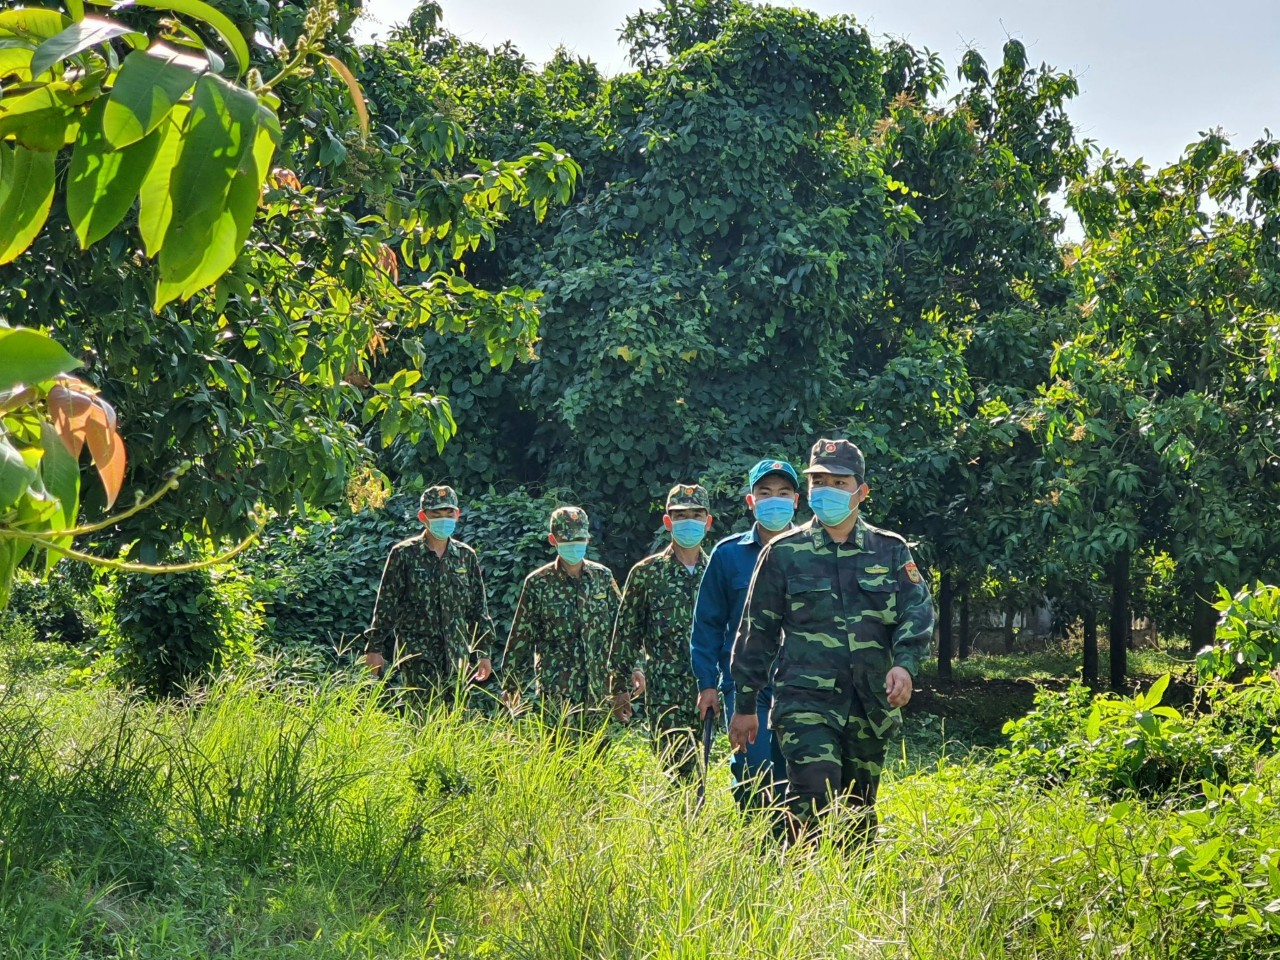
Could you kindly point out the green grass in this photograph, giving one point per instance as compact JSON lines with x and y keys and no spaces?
{"x":1055,"y":663}
{"x":280,"y":816}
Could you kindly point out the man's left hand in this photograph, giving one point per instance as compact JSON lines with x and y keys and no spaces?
{"x":898,"y":685}
{"x":637,"y":682}
{"x":622,"y":707}
{"x":484,"y":670}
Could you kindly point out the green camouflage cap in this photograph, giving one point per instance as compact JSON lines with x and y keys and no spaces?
{"x":569,"y":524}
{"x":837,"y":456}
{"x":436,"y":498}
{"x":691,"y":496}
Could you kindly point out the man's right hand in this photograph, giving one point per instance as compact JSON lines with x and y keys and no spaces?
{"x":743,"y":729}
{"x":375,"y":662}
{"x":708,"y":699}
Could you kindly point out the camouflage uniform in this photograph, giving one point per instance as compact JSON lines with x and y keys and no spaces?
{"x":431,"y":611}
{"x":837,"y":616}
{"x":558,"y":648}
{"x":654,"y":621}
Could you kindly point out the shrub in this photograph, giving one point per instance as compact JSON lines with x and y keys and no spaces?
{"x":1113,"y":746}
{"x":60,"y":608}
{"x":167,"y":630}
{"x":1248,"y":636}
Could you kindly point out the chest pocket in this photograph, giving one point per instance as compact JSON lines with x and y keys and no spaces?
{"x":880,"y":593}
{"x":809,"y":599}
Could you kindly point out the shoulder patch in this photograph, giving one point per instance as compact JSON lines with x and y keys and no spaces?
{"x":912,"y":572}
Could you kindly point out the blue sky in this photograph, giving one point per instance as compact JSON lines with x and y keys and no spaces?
{"x":1152,"y":74}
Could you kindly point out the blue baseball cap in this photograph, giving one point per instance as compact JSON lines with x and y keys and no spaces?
{"x":766,"y":467}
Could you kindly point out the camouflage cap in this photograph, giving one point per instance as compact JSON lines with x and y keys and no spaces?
{"x":837,"y":456}
{"x":569,"y":524}
{"x":688,"y":497}
{"x":437,"y":498}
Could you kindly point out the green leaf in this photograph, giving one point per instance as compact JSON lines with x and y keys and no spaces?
{"x":39,"y":119}
{"x":26,"y":191}
{"x":29,"y":357}
{"x":61,"y":476}
{"x":232,"y":228}
{"x":198,"y":10}
{"x":77,"y":38}
{"x":33,"y":23}
{"x":102,"y":183}
{"x":220,"y":133}
{"x":148,"y":86}
{"x":155,"y":201}
{"x":16,"y":61}
{"x":1156,"y":693}
{"x":15,"y":476}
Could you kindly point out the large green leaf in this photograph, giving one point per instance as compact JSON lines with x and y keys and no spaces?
{"x":199,"y":10}
{"x":29,"y":357}
{"x":39,"y":119}
{"x":33,"y":23}
{"x":26,"y":191}
{"x":155,"y":200}
{"x":150,"y":82}
{"x":220,"y":133}
{"x":15,"y":59}
{"x":77,"y":38}
{"x":233,"y":225}
{"x":102,"y":183}
{"x":15,"y":476}
{"x":61,"y":475}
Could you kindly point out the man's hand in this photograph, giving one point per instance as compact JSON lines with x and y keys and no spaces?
{"x":637,"y":682}
{"x":897,"y":684}
{"x":622,"y":707}
{"x":708,"y":699}
{"x":484,"y":670}
{"x":374,"y":661}
{"x":743,"y":729}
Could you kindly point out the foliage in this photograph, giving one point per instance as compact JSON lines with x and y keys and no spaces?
{"x":275,"y":381}
{"x":1248,"y":636}
{"x":318,"y":581}
{"x":1115,"y":746}
{"x":160,"y":124}
{"x":47,"y":418}
{"x":167,"y":632}
{"x":59,"y":608}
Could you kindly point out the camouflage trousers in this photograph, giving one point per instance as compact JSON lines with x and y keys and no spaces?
{"x":835,"y":754}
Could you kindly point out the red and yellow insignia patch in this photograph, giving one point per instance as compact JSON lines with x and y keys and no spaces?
{"x":912,"y":572}
{"x":831,"y":447}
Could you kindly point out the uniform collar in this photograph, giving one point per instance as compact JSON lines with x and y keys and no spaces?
{"x":669,"y":554}
{"x":752,"y":536}
{"x":823,"y":539}
{"x":450,"y":545}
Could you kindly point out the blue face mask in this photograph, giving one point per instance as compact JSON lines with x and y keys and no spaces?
{"x":831,"y":506}
{"x":774,"y":513}
{"x":688,"y":533}
{"x":442,"y":527}
{"x":572,"y":553}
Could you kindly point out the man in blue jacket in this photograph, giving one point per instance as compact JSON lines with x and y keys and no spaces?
{"x":774,"y":494}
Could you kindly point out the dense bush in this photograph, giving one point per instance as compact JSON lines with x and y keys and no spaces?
{"x":1247,"y":640}
{"x":1117,"y":746}
{"x":318,"y":581}
{"x":166,"y":631}
{"x":58,"y":608}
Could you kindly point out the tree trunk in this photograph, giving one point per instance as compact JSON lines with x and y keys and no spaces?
{"x":1091,"y":646}
{"x":965,"y":639}
{"x":945,"y":598}
{"x":1119,"y":628}
{"x":1008,"y":627}
{"x":1204,"y":620}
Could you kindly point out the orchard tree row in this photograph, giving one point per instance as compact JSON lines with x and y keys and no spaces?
{"x":773,"y":227}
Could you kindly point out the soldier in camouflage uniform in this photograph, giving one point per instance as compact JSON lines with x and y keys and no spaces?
{"x":651,"y":637}
{"x":846,"y":612}
{"x":558,"y":649}
{"x":431,"y":617}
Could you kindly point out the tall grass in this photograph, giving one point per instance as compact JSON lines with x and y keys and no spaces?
{"x":270,"y":817}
